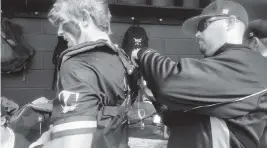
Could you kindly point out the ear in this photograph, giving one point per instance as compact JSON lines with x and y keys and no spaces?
{"x":3,"y":120}
{"x":231,"y":22}
{"x":254,"y":43}
{"x":86,"y":19}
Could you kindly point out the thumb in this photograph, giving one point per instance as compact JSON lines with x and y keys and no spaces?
{"x":134,"y":62}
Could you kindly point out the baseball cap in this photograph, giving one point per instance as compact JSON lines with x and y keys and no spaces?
{"x":8,"y":107}
{"x":135,"y":37}
{"x":257,"y":28}
{"x":221,"y":8}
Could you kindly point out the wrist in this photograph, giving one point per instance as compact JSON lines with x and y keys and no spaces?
{"x":143,"y":51}
{"x":140,"y":52}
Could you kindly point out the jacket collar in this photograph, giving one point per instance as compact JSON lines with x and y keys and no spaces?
{"x":228,"y":46}
{"x":87,"y":46}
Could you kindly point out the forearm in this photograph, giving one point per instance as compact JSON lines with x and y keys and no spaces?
{"x":155,"y":68}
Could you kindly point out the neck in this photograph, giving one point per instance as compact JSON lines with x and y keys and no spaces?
{"x":95,"y":34}
{"x":230,"y":41}
{"x":235,"y":41}
{"x":234,"y":36}
{"x":101,"y":35}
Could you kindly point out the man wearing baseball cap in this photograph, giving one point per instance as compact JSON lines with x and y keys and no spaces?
{"x":216,"y":102}
{"x":256,"y":36}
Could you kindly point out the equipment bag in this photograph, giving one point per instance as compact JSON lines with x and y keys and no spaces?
{"x":16,"y":53}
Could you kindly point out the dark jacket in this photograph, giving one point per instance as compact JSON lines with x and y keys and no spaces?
{"x":263,"y":142}
{"x":202,"y":96}
{"x":21,"y":141}
{"x":91,"y":75}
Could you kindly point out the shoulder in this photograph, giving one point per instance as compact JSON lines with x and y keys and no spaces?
{"x":76,"y":70}
{"x":73,"y":64}
{"x":89,"y":59}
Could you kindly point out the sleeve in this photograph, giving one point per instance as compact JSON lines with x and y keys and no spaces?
{"x":263,"y":141}
{"x":192,"y":83}
{"x":80,"y":89}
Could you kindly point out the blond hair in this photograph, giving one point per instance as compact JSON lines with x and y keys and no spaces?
{"x":98,"y":10}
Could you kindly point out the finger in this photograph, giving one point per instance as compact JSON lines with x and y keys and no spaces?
{"x":135,"y":64}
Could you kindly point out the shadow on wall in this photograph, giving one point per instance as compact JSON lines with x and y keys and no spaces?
{"x":257,"y":12}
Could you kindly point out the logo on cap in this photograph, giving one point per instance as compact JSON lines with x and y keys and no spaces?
{"x":138,"y":41}
{"x":225,"y":11}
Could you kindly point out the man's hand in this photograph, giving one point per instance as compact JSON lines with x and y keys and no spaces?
{"x":134,"y":57}
{"x":41,"y":100}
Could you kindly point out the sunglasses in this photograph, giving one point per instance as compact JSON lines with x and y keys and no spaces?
{"x":204,"y":23}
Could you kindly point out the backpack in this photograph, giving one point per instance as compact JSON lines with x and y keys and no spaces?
{"x":145,"y":120}
{"x":16,"y":53}
{"x":114,"y":119}
{"x":32,"y":119}
{"x":60,"y":47}
{"x":143,"y":113}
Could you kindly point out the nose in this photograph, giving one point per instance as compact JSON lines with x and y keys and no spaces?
{"x":198,"y":34}
{"x":60,"y":31}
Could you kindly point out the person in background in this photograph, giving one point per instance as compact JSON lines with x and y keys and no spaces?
{"x":216,"y":102}
{"x":9,"y":138}
{"x":256,"y":37}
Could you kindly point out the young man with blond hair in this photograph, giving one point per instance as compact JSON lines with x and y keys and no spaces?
{"x":92,"y":74}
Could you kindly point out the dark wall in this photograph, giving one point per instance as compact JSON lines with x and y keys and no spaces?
{"x":256,"y":8}
{"x":168,"y":40}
